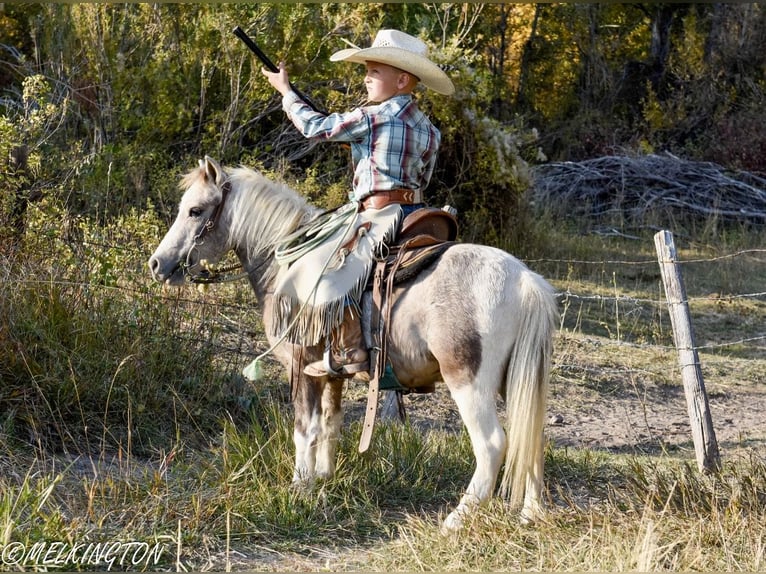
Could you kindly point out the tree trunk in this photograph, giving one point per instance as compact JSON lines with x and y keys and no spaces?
{"x":18,"y":170}
{"x":589,"y":84}
{"x":498,"y":65}
{"x":663,"y":16}
{"x":713,"y":40}
{"x":526,"y":56}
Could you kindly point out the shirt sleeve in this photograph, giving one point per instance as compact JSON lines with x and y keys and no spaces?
{"x":289,"y":99}
{"x":351,"y":126}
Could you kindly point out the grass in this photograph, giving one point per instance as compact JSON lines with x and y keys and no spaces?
{"x":123,"y":418}
{"x":607,"y":512}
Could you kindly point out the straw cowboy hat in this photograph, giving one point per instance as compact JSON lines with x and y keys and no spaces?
{"x":401,"y":51}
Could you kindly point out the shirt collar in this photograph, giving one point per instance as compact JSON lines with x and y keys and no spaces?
{"x":398,"y":101}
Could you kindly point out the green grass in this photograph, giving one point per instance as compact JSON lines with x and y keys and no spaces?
{"x":606,"y":512}
{"x":123,"y":417}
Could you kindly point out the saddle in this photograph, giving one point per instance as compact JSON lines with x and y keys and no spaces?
{"x":422,"y":238}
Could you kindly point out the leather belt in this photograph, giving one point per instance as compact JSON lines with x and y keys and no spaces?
{"x":380,"y":199}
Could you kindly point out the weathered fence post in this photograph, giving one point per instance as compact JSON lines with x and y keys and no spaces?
{"x":705,"y":444}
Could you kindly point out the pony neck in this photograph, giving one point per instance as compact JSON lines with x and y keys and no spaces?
{"x":261,"y":213}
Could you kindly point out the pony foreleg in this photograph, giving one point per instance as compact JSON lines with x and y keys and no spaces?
{"x":307,"y":407}
{"x":331,"y":420}
{"x":305,"y":458}
{"x":318,"y":420}
{"x":489,"y":442}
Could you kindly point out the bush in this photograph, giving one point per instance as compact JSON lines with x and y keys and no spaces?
{"x":91,"y":356}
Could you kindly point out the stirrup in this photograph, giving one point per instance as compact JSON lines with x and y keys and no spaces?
{"x":327,"y":362}
{"x":347,"y":371}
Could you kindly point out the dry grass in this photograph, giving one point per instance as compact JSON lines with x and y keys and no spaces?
{"x":124,"y":418}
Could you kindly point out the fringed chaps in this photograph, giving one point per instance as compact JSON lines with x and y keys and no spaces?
{"x":312,"y":291}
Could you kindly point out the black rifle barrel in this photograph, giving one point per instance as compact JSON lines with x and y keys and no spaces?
{"x":242,"y":35}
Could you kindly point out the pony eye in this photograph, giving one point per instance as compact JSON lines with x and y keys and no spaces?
{"x":195,"y":212}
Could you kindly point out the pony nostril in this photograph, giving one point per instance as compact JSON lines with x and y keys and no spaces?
{"x":154,"y":266}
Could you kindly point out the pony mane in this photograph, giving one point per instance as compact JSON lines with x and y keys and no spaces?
{"x":262,"y":212}
{"x":189,"y":179}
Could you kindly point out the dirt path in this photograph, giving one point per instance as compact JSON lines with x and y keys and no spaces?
{"x":632,"y":404}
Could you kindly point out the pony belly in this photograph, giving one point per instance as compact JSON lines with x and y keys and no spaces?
{"x":407,"y":350}
{"x":413,"y":370}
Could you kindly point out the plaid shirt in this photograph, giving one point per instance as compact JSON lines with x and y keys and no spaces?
{"x":393,"y":144}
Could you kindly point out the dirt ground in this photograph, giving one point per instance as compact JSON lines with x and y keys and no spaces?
{"x":627,"y":422}
{"x":621,"y":410}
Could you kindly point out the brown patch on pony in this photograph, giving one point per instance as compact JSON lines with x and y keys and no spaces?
{"x":468,"y":351}
{"x":463,"y":359}
{"x":307,"y":402}
{"x":467,"y":348}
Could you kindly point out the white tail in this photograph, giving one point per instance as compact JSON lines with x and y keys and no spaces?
{"x":526,"y":392}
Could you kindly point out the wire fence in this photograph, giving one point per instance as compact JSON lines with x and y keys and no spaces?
{"x":242,"y":316}
{"x":615,"y":337}
{"x":617,"y":358}
{"x":568,"y":295}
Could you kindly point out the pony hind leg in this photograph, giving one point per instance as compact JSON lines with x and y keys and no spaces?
{"x":533,"y":510}
{"x":476,"y":403}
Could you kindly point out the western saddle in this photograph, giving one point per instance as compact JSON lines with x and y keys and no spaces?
{"x":423,"y":236}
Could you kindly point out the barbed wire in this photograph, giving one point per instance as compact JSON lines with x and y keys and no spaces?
{"x":658,"y":346}
{"x":727,"y":256}
{"x":730,"y":343}
{"x":624,"y":298}
{"x":563,"y":296}
{"x":647,"y":261}
{"x":652,"y":261}
{"x":146,"y":291}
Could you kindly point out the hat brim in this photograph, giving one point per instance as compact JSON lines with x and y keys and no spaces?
{"x":429,"y":74}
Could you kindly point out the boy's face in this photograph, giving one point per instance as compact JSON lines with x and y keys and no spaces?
{"x":383,"y":81}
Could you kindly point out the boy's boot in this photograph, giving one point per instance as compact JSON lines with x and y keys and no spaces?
{"x":347,"y":354}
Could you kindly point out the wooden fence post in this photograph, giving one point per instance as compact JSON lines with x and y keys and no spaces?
{"x":705,"y":444}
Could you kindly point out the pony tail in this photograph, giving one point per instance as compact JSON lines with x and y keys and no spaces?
{"x":527,"y":389}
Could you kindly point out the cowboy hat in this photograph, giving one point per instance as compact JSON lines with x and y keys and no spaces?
{"x":401,"y":51}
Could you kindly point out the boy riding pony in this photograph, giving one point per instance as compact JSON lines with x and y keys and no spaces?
{"x":394,"y":148}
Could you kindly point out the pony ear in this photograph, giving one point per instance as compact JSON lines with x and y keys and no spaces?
{"x":213,"y":170}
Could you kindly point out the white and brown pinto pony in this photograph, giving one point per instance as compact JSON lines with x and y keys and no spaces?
{"x":477,"y":319}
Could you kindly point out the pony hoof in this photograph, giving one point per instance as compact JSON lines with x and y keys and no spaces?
{"x":452,"y":524}
{"x":530,"y":516}
{"x":302,"y":485}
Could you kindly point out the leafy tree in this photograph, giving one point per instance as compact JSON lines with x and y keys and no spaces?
{"x":151,"y":87}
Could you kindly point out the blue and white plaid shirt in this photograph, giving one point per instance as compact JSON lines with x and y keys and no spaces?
{"x":393,"y":144}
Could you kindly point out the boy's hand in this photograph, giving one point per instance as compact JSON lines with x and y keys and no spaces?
{"x":278,"y":80}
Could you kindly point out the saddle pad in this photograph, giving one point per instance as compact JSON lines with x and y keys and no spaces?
{"x":415,"y":260}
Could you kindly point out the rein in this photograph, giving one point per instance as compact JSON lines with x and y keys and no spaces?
{"x":214,"y":274}
{"x":211,"y":273}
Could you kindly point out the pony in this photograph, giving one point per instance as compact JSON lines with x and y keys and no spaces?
{"x":476,"y":319}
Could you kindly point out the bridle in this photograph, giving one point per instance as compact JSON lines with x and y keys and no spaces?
{"x":210,"y":273}
{"x":212,"y":221}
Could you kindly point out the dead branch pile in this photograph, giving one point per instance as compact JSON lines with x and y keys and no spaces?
{"x":652,"y":189}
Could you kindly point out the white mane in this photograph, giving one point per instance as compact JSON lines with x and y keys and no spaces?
{"x":262,"y":212}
